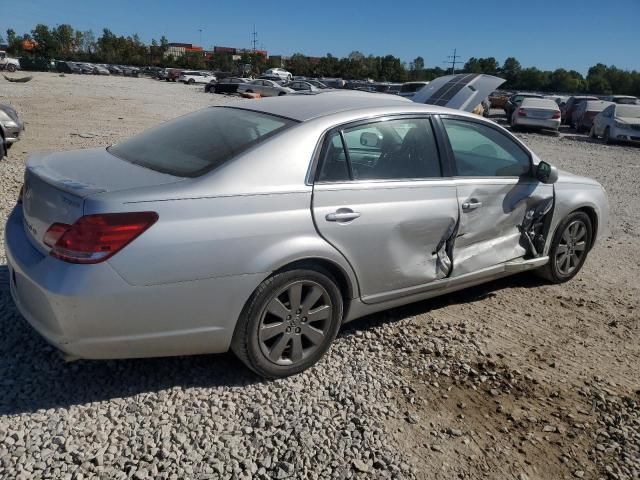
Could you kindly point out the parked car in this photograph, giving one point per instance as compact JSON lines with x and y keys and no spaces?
{"x":566,"y":111}
{"x":333,"y":82}
{"x":266,"y":88}
{"x":85,"y":68}
{"x":100,"y":70}
{"x":129,"y":71}
{"x":11,"y":127}
{"x":114,"y":69}
{"x":585,"y":112}
{"x":173,"y":74}
{"x":281,"y":73}
{"x":264,"y":226}
{"x":226,"y":85}
{"x":390,"y":88}
{"x":622,"y":99}
{"x":617,"y":123}
{"x":317,"y":83}
{"x":190,"y":77}
{"x":409,"y":89}
{"x":68,"y":67}
{"x":498,"y":99}
{"x":302,"y":86}
{"x":273,"y":78}
{"x":540,"y":113}
{"x":8,"y":63}
{"x":514,"y":102}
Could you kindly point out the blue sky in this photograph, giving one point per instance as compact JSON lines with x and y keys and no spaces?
{"x":573,"y":34}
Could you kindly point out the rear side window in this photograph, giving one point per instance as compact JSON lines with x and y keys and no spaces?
{"x":385,"y":150}
{"x":482,"y":151}
{"x":194,"y":144}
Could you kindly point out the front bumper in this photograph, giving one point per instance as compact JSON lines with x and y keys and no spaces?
{"x":626,"y":135}
{"x":89,"y":311}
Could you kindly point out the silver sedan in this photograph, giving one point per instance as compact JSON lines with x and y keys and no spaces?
{"x":262,"y":227}
{"x":266,"y":88}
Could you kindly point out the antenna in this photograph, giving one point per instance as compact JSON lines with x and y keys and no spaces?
{"x":453,"y":59}
{"x":254,"y":40}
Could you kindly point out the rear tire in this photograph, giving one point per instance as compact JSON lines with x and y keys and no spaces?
{"x":191,"y":81}
{"x":569,"y":248}
{"x":289,"y":322}
{"x":592,"y":132}
{"x":11,"y":68}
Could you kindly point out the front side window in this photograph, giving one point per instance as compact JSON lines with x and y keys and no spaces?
{"x":482,"y":151}
{"x":386,"y":150}
{"x":194,"y":144}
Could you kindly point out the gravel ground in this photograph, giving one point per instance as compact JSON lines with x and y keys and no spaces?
{"x":515,"y":379}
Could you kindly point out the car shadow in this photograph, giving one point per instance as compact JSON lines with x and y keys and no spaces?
{"x":34,"y":376}
{"x":467,"y":295}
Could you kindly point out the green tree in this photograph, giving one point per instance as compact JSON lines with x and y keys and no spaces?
{"x":510,"y":71}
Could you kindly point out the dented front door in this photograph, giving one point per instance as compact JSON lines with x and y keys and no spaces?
{"x":491,"y":213}
{"x":388,"y":231}
{"x":496,"y":187}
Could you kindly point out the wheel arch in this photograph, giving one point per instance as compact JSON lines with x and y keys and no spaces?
{"x":593,"y":217}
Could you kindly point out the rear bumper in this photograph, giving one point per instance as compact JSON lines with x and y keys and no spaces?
{"x":552,"y":124}
{"x":89,"y":311}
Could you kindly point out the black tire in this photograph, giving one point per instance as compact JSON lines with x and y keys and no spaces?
{"x":592,"y":132}
{"x":248,"y":91}
{"x":11,"y":67}
{"x":191,"y":81}
{"x":254,"y":351}
{"x":554,"y":271}
{"x":607,"y":136}
{"x":282,"y":93}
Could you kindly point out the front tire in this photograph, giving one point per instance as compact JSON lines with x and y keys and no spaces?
{"x":569,"y":248}
{"x":289,"y":322}
{"x":592,"y":132}
{"x":607,"y":136}
{"x":11,"y":68}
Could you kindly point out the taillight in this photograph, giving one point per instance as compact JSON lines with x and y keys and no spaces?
{"x":556,"y":115}
{"x":522,"y":112}
{"x":20,"y":195}
{"x":94,"y":238}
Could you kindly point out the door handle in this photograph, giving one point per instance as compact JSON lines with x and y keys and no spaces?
{"x":471,"y":204}
{"x":342,"y":215}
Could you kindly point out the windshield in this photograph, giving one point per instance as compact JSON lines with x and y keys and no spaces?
{"x":411,"y":87}
{"x":626,"y":101}
{"x":194,"y":144}
{"x":628,"y":111}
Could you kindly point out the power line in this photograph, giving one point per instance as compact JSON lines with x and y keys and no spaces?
{"x":453,"y":60}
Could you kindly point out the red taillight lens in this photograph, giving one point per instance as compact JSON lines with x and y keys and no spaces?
{"x":522,"y":112}
{"x":556,"y":115}
{"x":54,"y":233}
{"x":94,"y":238}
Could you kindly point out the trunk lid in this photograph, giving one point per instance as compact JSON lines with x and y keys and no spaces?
{"x":539,"y":113}
{"x":55,"y":186}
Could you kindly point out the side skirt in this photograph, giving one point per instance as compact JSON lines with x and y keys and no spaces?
{"x":383,"y":301}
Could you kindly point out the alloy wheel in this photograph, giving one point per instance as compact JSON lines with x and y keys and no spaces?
{"x":295,"y":322}
{"x":572,"y":247}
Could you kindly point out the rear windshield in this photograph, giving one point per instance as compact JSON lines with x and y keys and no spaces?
{"x":626,"y":101}
{"x":628,"y":111}
{"x":194,"y":144}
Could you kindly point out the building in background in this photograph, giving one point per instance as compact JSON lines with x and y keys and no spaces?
{"x":177,"y":50}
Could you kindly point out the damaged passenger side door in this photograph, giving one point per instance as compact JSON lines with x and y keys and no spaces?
{"x":381,"y":199}
{"x":496,"y":187}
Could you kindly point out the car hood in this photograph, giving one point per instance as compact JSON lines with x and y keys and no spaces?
{"x":567,"y":177}
{"x":629,"y":120}
{"x":463,"y":91}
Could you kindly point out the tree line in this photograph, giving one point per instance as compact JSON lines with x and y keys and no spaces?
{"x":63,"y":42}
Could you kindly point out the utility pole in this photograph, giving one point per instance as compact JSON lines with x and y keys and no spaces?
{"x":453,"y":59}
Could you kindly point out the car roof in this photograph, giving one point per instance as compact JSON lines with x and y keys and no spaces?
{"x":322,"y":103}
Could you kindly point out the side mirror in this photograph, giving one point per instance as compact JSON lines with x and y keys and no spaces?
{"x":546,"y":173}
{"x":370,"y":139}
